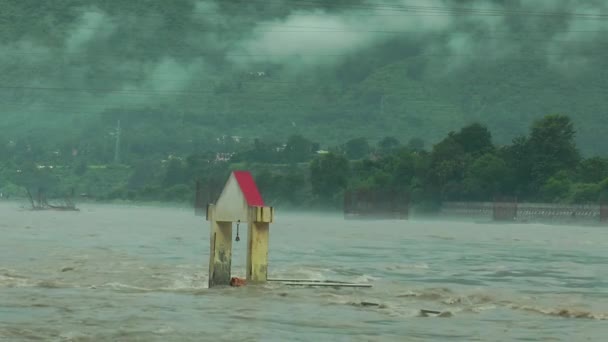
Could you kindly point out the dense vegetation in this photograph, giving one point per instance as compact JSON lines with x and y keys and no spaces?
{"x":544,"y":165}
{"x":181,"y":74}
{"x":189,"y":79}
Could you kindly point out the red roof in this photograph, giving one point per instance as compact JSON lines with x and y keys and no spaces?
{"x":249,"y":188}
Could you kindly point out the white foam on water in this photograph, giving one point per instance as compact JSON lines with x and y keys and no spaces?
{"x":73,"y":336}
{"x":164,"y":330}
{"x":561,"y":312}
{"x":188,"y":282}
{"x":121,"y":286}
{"x":115,"y":264}
{"x":417,"y":266}
{"x":365,"y":278}
{"x":7,"y":280}
{"x":302,"y":272}
{"x":479,"y":302}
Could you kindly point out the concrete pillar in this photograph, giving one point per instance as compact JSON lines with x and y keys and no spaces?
{"x":220,"y":257}
{"x":257,"y":244}
{"x":257,"y":252}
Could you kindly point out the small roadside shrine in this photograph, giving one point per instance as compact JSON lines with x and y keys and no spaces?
{"x":239,"y":202}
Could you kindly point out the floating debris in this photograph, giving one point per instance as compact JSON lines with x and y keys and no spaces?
{"x":238,"y":282}
{"x":326,"y":283}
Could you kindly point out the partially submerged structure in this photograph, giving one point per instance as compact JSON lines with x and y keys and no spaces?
{"x":376,"y":204}
{"x":206,"y":192}
{"x":241,"y":202}
{"x":508,"y":209}
{"x":41,"y":203}
{"x":504,"y":209}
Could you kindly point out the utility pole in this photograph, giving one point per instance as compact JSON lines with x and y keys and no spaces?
{"x":117,"y":147}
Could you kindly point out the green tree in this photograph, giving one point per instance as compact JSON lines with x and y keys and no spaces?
{"x":287,"y":186}
{"x":486,"y":177}
{"x":520,"y":160}
{"x":80,"y":168}
{"x":447,"y":168}
{"x":552,"y":147}
{"x":329,"y":175}
{"x":447,"y":161}
{"x":179,"y":193}
{"x":593,"y":170}
{"x":416,"y":144}
{"x":556,"y":188}
{"x":292,"y":186}
{"x":143,"y":174}
{"x":404,"y":170}
{"x":388,"y":144}
{"x":174,"y":174}
{"x":298,"y":149}
{"x":356,"y":148}
{"x":585,"y":193}
{"x":475,"y":139}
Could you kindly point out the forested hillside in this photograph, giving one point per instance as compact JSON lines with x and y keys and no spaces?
{"x":187,"y":77}
{"x":180,"y":74}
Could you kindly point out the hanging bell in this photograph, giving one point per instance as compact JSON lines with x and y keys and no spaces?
{"x":237,"y":239}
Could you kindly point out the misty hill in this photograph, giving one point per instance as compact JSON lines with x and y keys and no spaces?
{"x":181,"y":74}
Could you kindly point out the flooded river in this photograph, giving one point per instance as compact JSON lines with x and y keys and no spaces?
{"x":126,"y":273}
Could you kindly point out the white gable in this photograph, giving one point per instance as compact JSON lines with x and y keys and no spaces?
{"x":231,"y":206}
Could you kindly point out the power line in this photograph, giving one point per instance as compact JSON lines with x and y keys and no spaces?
{"x":142,"y":93}
{"x":106,"y":90}
{"x":380,"y":30}
{"x":412,"y":10}
{"x":162,"y":79}
{"x":273,"y":97}
{"x":222,"y":107}
{"x":129,"y":92}
{"x":281,"y":28}
{"x":454,"y":10}
{"x":235,"y":85}
{"x":291,"y":55}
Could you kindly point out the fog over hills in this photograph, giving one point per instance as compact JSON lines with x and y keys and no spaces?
{"x":179,"y":74}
